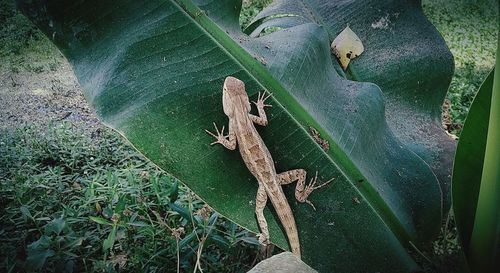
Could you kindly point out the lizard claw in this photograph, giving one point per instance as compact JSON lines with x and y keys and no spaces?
{"x":268,"y":95}
{"x":310,"y":203}
{"x":312,"y":184}
{"x":261,"y":98}
{"x":219,"y":135}
{"x":210,"y":133}
{"x":310,"y":188}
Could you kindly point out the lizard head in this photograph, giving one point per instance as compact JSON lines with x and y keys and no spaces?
{"x":234,"y":96}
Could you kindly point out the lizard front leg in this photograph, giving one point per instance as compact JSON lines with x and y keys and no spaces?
{"x":301,"y":190}
{"x":260,"y":103}
{"x":228,"y":141}
{"x":260,"y":203}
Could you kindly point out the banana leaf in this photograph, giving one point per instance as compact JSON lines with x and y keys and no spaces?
{"x":153,"y":71}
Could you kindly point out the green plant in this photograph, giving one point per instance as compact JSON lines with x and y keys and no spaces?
{"x":476,"y":178}
{"x":86,"y":201}
{"x":16,"y":31}
{"x":58,"y":242}
{"x":370,"y":153}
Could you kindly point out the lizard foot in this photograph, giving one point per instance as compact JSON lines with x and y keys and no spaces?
{"x":311,"y":187}
{"x":261,"y":98}
{"x":220,"y":135}
{"x":312,"y":184}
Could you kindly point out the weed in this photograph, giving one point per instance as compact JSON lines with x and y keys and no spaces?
{"x":74,"y":201}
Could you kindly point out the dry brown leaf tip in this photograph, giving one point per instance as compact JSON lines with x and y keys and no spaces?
{"x":347,"y":46}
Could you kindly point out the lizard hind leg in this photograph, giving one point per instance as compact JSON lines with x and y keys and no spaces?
{"x":302,"y":191}
{"x":261,"y":201}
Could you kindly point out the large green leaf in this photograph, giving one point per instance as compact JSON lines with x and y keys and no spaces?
{"x":404,"y":55}
{"x":484,"y":246}
{"x":476,"y":179}
{"x":154,"y":70}
{"x":469,"y":158}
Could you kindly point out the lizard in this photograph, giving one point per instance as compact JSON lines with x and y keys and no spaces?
{"x":258,"y":159}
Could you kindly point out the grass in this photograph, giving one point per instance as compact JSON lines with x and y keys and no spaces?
{"x":17,"y":32}
{"x":87,"y":201}
{"x":470,"y":29}
{"x":22,"y":46}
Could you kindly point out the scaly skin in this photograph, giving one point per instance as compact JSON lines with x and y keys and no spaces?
{"x":259,"y":161}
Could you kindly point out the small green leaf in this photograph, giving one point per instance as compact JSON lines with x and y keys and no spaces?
{"x":36,"y":259}
{"x":188,"y":239}
{"x":182,"y":211}
{"x":175,"y":191}
{"x":25,"y":212}
{"x":42,"y":243}
{"x":73,"y":243}
{"x":213,"y":218}
{"x":107,"y":212}
{"x":110,"y":241}
{"x":122,"y":203}
{"x":38,"y":252}
{"x":223,"y":242}
{"x":55,"y":226}
{"x":100,"y":220}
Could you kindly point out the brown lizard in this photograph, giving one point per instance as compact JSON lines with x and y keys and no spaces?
{"x":256,"y":156}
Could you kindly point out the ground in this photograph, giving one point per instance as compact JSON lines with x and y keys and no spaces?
{"x":59,"y":165}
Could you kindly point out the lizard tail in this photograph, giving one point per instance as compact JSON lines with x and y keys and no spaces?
{"x":295,"y":247}
{"x":288,"y":222}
